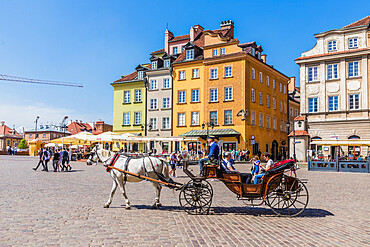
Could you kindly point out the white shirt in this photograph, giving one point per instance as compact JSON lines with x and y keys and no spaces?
{"x":270,"y":164}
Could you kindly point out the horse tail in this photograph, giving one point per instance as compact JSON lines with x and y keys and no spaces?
{"x":166,"y":169}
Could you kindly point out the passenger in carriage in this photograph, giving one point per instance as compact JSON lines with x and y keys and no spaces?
{"x":269,"y":165}
{"x":227,"y":166}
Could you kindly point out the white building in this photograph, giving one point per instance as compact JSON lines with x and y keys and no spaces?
{"x":334,"y":83}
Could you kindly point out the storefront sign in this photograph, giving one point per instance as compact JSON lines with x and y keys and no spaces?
{"x":253,"y":137}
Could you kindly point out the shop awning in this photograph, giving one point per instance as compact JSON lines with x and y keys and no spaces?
{"x":352,"y":142}
{"x":214,"y":132}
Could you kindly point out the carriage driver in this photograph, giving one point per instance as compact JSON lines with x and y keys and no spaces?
{"x":213,"y":152}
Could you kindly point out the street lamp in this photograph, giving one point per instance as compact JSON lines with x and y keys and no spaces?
{"x":37,"y":118}
{"x":207,"y":124}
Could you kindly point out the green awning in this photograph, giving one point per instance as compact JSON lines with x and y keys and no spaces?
{"x":214,"y":132}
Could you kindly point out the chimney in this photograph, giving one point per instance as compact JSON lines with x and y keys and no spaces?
{"x":263,"y":57}
{"x":195,"y":31}
{"x":228,"y":25}
{"x":291,"y":85}
{"x":2,"y":123}
{"x":167,"y":37}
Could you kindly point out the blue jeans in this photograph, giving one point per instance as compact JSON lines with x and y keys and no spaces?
{"x":201,"y":164}
{"x":256,"y":177}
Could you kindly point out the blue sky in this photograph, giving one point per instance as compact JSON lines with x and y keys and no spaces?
{"x":95,"y":42}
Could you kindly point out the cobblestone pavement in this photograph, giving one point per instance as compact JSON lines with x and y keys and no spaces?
{"x":66,"y":209}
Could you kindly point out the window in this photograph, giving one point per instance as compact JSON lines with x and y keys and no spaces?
{"x":166,"y":123}
{"x":261,"y":77}
{"x":284,"y":89}
{"x":268,"y":81}
{"x":137,"y":118}
{"x":281,"y":87}
{"x":182,"y":75}
{"x":154,"y":65}
{"x":274,"y":103}
{"x":253,"y":52}
{"x":43,"y":135}
{"x":261,"y":99}
{"x":195,"y":73}
{"x":284,"y":107}
{"x":153,"y":104}
{"x":166,"y":83}
{"x":312,"y":74}
{"x":273,"y":83}
{"x":332,"y":71}
{"x":214,"y":74}
{"x":183,"y":48}
{"x":253,"y":118}
{"x":253,"y":95}
{"x":166,"y":103}
{"x":181,"y":96}
{"x":214,"y":95}
{"x":214,"y":52}
{"x":195,"y":118}
{"x":153,"y":123}
{"x":126,"y":118}
{"x":281,"y":124}
{"x":137,"y":95}
{"x":274,"y":123}
{"x":213,"y":117}
{"x":228,"y":71}
{"x":127,"y":97}
{"x":333,"y":103}
{"x":352,"y":43}
{"x":228,"y":117}
{"x":268,"y":122}
{"x":353,"y":69}
{"x":181,"y":118}
{"x":174,"y":50}
{"x":354,"y":101}
{"x":281,"y":106}
{"x":312,"y":105}
{"x":30,"y":135}
{"x":261,"y":120}
{"x":166,"y":63}
{"x":140,"y":74}
{"x":222,"y":51}
{"x":291,"y":111}
{"x":190,"y":54}
{"x":295,"y":112}
{"x":228,"y":93}
{"x":195,"y":95}
{"x":153,"y":85}
{"x":332,"y":45}
{"x":268,"y":100}
{"x":253,"y":74}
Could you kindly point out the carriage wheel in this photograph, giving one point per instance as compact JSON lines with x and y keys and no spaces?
{"x":287,"y":196}
{"x":196,"y":197}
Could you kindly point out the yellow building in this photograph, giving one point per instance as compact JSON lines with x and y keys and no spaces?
{"x":129,"y":108}
{"x":240,"y":97}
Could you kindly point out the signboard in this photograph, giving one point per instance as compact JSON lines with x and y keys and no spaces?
{"x":297,"y":142}
{"x":326,"y":148}
{"x":357,"y":149}
{"x":253,"y":142}
{"x":253,"y":137}
{"x":334,"y":137}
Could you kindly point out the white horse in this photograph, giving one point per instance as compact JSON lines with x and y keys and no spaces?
{"x":147,"y":166}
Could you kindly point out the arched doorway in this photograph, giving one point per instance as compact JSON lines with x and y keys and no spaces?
{"x":354,"y":151}
{"x":274,"y":150}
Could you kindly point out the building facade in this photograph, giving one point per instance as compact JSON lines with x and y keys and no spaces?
{"x":45,"y":133}
{"x":334,"y":84}
{"x":229,"y":89}
{"x":8,"y":137}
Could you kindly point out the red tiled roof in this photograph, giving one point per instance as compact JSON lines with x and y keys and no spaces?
{"x":331,"y":53}
{"x":75,"y":128}
{"x":362,"y":22}
{"x":129,"y":77}
{"x":158,"y":51}
{"x":5,"y":130}
{"x":199,"y":41}
{"x":181,"y":37}
{"x":300,"y":118}
{"x":299,"y":133}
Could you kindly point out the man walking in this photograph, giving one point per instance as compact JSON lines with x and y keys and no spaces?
{"x":213,"y":152}
{"x":64,"y":159}
{"x":41,"y":161}
{"x":56,"y":160}
{"x":46,"y":159}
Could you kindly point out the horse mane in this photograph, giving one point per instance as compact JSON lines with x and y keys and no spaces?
{"x":105,"y":153}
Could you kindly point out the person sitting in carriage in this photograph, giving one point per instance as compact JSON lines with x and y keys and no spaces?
{"x":269,"y":165}
{"x":213,"y":153}
{"x":227,"y":166}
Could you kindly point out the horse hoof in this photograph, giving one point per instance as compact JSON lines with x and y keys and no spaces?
{"x":106,"y":206}
{"x":154,"y":207}
{"x":159,"y":204}
{"x":128,"y":207}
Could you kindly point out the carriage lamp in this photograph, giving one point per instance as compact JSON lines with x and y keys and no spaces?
{"x":203,"y":125}
{"x":212,"y":125}
{"x":299,"y":123}
{"x":287,"y":124}
{"x":150,"y":126}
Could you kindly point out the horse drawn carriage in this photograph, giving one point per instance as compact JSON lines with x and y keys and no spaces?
{"x":285,"y":195}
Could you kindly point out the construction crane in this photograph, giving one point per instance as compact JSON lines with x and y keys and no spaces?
{"x":36,"y":81}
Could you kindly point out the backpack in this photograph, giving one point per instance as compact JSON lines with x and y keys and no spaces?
{"x":65,"y":155}
{"x":46,"y":155}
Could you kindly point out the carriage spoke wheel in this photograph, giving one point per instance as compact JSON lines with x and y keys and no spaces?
{"x":287,"y":196}
{"x":196,"y":197}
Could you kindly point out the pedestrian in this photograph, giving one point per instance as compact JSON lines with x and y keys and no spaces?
{"x":173,"y":161}
{"x":56,"y":160}
{"x":259,"y":154}
{"x":64,"y":159}
{"x":69,"y":167}
{"x":46,"y":159}
{"x":60,"y":160}
{"x":41,"y":160}
{"x":247,"y":153}
{"x":15,"y":150}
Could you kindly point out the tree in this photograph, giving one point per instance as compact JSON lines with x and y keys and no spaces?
{"x":23,"y":144}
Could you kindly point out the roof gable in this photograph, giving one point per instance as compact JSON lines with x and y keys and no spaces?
{"x":363,"y":22}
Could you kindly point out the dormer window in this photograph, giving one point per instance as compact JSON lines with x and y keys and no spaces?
{"x":259,"y":55}
{"x":190,"y":54}
{"x":140,"y":74}
{"x":253,"y":52}
{"x":166,"y":63}
{"x":154,"y":65}
{"x":353,"y":43}
{"x":222,"y":51}
{"x":332,"y":45}
{"x":183,"y":48}
{"x":174,"y":50}
{"x":214,"y":52}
